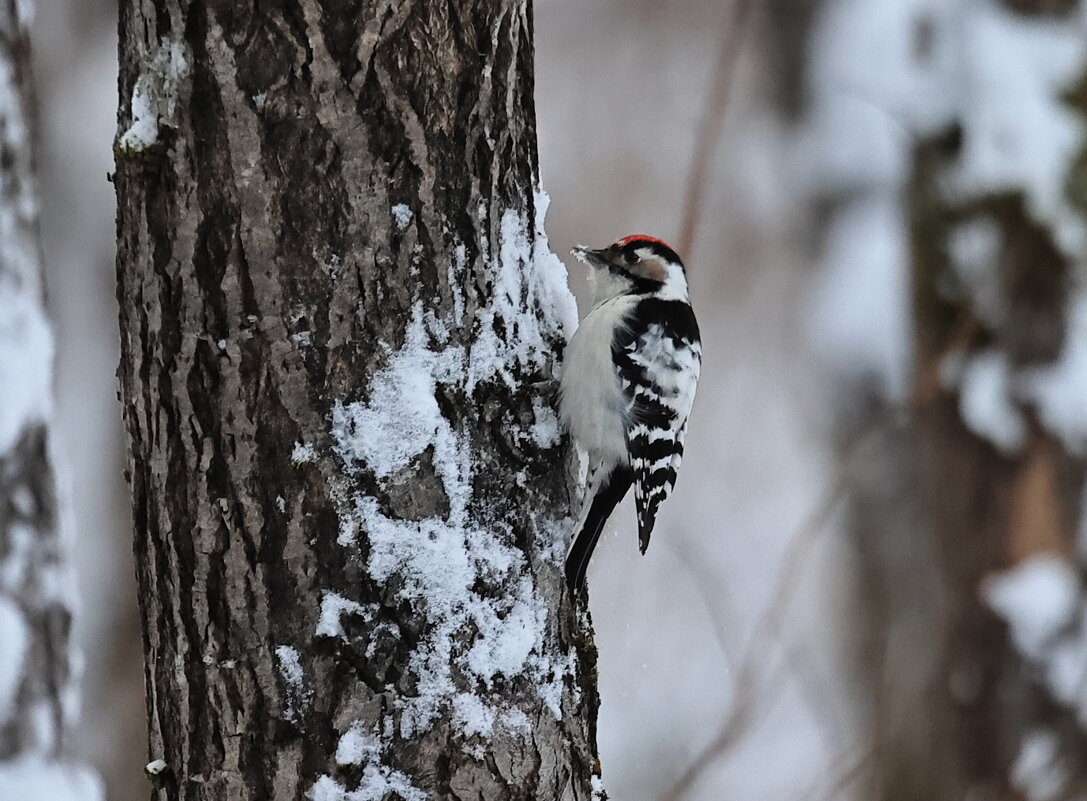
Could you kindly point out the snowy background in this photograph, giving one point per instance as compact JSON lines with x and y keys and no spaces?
{"x":731,"y":630}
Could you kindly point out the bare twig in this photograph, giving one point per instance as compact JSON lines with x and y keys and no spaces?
{"x":708,"y":591}
{"x":847,"y":776}
{"x":753,"y":672}
{"x":709,"y":129}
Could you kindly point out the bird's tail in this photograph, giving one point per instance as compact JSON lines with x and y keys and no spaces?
{"x":605,"y":490}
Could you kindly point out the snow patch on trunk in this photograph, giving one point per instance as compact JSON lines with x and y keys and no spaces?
{"x":531,"y":302}
{"x":477,"y":642}
{"x":1059,"y":390}
{"x":1043,"y":602}
{"x":155,"y":96}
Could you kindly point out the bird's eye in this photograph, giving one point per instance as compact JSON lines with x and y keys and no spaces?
{"x":630,"y":257}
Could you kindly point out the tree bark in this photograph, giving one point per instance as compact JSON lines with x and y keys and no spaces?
{"x":350,"y":498}
{"x":37,"y":692}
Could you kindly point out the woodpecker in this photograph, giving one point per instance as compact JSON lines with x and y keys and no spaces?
{"x":628,"y":385}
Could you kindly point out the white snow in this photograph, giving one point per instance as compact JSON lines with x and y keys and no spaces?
{"x":34,"y":778}
{"x":1019,"y":135}
{"x":531,"y":302}
{"x":326,"y":789}
{"x":986,"y":404}
{"x":1060,"y":390}
{"x":1000,"y":75}
{"x":402,"y":215}
{"x":144,"y":130}
{"x":546,"y":430}
{"x":15,"y":640}
{"x":26,"y":400}
{"x":439,"y":561}
{"x":1038,"y":597}
{"x":303,"y":453}
{"x":333,"y":608}
{"x":294,"y":680}
{"x":862,"y":118}
{"x":1046,"y":608}
{"x":597,"y":785}
{"x":26,"y":342}
{"x":473,"y":715}
{"x":1037,"y":770}
{"x":357,"y":746}
{"x":974,"y":248}
{"x":456,"y":268}
{"x":24,"y":13}
{"x":290,"y":666}
{"x":378,"y":781}
{"x":26,"y":359}
{"x":506,"y":642}
{"x":400,"y":418}
{"x":155,"y":96}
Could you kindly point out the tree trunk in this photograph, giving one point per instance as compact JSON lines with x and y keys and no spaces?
{"x":1002,"y":492}
{"x":350,"y":494}
{"x":37,"y":693}
{"x":965,"y":508}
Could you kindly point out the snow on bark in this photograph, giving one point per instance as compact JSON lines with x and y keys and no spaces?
{"x":155,"y":97}
{"x":37,"y":692}
{"x":1038,"y":770}
{"x":1042,"y":600}
{"x":439,"y":562}
{"x":985,"y":401}
{"x":1059,"y":390}
{"x":532,"y":302}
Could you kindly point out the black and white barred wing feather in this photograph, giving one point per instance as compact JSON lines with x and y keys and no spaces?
{"x":659,"y":359}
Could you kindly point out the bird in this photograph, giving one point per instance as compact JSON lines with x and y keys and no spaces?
{"x":627,"y":386}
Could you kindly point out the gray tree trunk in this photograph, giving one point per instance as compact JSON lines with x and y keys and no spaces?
{"x":37,"y":692}
{"x":350,"y":498}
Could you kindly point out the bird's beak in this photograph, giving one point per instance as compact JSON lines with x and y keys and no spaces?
{"x":594,"y":258}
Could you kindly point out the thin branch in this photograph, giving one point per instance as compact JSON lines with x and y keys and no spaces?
{"x":709,"y":129}
{"x":708,"y":591}
{"x":753,"y":672}
{"x":847,"y":776}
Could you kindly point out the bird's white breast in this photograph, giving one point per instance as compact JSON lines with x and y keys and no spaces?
{"x":592,"y":402}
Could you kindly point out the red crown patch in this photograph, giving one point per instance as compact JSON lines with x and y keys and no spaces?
{"x":626,"y":240}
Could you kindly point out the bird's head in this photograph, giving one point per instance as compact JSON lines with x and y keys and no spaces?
{"x":636,"y":264}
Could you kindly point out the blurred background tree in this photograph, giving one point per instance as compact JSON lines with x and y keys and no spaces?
{"x":38,"y":670}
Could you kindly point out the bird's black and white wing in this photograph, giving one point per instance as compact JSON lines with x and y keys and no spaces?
{"x":658,"y":356}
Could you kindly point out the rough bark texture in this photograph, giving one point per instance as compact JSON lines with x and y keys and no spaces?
{"x":36,"y":688}
{"x":325,"y":191}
